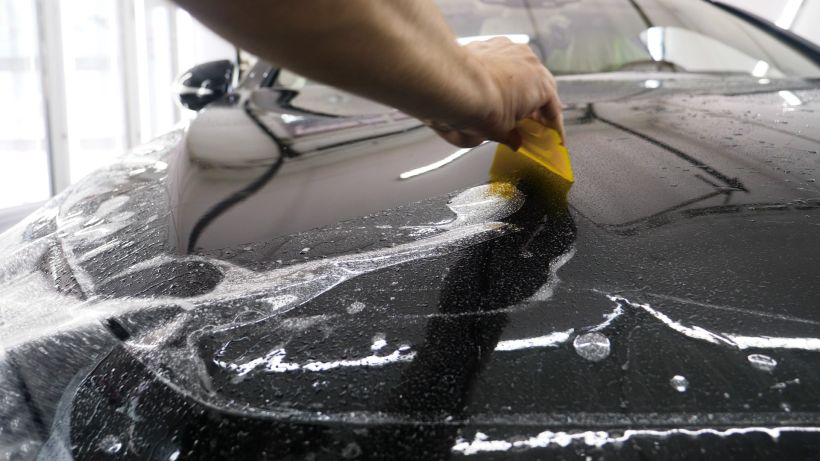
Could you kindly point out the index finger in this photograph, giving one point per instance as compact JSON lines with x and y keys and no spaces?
{"x":552,"y":117}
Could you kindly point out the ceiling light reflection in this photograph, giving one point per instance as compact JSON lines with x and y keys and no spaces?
{"x":436,"y":165}
{"x":652,"y":84}
{"x":789,"y":14}
{"x":654,"y":43}
{"x":760,"y":69}
{"x":521,"y":39}
{"x":790,"y":98}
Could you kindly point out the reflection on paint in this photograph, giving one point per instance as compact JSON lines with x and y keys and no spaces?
{"x":396,"y":356}
{"x":274,"y":362}
{"x":436,"y":165}
{"x":597,"y":439}
{"x":550,"y":340}
{"x":521,"y":39}
{"x":21,"y":321}
{"x":767,"y":342}
{"x":547,"y":291}
{"x":788,"y":14}
{"x":726,"y":339}
{"x":790,"y":98}
{"x":609,"y":318}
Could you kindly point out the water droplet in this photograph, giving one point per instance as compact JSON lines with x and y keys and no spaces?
{"x":762,"y":362}
{"x":351,"y":451}
{"x":379,"y":342}
{"x":784,"y":384}
{"x":355,"y":308}
{"x":110,"y":444}
{"x":592,"y":346}
{"x":680,"y":383}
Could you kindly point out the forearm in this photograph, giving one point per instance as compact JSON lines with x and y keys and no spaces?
{"x":369,"y":47}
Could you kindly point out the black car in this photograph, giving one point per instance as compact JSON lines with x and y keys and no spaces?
{"x":305,"y":274}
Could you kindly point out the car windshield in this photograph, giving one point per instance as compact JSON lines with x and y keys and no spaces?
{"x":592,"y":36}
{"x":598,"y":37}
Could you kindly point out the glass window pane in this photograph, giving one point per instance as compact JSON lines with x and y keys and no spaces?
{"x":23,"y":148}
{"x":93,"y":83}
{"x":155,"y":56}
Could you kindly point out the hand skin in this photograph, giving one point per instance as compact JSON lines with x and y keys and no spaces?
{"x":401,"y":53}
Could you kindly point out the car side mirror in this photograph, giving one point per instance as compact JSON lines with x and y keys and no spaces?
{"x":204,"y":84}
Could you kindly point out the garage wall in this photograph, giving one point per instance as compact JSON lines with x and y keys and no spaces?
{"x":82,"y":81}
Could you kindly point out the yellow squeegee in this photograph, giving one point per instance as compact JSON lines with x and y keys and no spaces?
{"x":540,"y":165}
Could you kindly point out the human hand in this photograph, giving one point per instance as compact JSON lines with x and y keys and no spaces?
{"x":516,"y":86}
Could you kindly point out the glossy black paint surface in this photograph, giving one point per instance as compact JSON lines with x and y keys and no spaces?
{"x":698,"y":202}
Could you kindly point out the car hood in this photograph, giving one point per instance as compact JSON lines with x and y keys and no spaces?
{"x":667,"y":304}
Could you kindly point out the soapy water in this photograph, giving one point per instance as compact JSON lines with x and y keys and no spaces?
{"x":476,"y":222}
{"x":547,"y":291}
{"x":44,"y":292}
{"x":33,"y":309}
{"x":477,"y":211}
